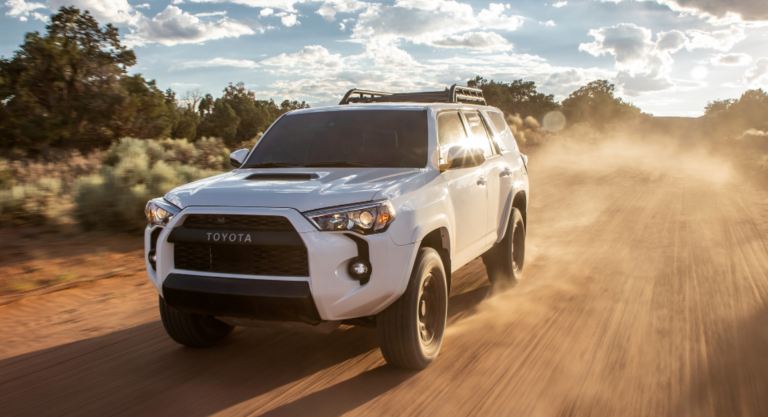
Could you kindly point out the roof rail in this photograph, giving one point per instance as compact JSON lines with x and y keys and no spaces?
{"x":456,"y":94}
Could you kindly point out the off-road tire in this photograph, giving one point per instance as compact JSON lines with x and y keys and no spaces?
{"x":193,"y":330}
{"x":411,"y":329}
{"x":504,"y":262}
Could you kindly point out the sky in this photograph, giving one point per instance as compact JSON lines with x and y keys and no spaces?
{"x":668,"y":57}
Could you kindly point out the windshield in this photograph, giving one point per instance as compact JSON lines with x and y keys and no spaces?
{"x":347,"y":138}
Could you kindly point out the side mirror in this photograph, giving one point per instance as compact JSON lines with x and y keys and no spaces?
{"x":237,"y":158}
{"x":462,"y":157}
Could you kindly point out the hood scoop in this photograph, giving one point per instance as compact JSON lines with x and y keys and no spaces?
{"x":286,"y":176}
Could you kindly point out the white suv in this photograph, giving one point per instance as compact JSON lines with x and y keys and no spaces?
{"x":354,"y":214}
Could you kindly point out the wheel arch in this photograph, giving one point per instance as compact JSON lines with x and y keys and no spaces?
{"x":440,"y":240}
{"x":520,"y":202}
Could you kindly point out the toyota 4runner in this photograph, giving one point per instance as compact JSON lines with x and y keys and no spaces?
{"x":355,"y":214}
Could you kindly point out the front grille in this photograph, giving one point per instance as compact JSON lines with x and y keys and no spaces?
{"x":237,"y":222}
{"x":283,"y":261}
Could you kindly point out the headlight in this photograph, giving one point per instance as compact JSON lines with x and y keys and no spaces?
{"x":159,"y":212}
{"x":362,"y":218}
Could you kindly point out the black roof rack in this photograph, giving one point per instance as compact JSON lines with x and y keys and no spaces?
{"x":456,"y":94}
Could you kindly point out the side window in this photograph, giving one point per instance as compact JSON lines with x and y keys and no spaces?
{"x":450,"y":131}
{"x":501,"y":126}
{"x":480,"y":137}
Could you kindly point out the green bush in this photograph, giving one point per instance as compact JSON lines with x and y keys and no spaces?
{"x":135,"y":171}
{"x":35,"y":204}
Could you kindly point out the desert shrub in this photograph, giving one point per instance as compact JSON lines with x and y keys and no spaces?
{"x":211,"y":154}
{"x":135,"y":171}
{"x":33,"y":204}
{"x":527,"y":131}
{"x":6,"y":178}
{"x":65,"y":166}
{"x":249,"y":144}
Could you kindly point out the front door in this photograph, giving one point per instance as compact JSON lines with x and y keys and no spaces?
{"x":496,"y":170}
{"x":466,"y":189}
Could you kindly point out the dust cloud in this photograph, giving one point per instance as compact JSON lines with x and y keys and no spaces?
{"x":575,"y":179}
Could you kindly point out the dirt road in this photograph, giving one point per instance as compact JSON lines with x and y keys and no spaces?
{"x":644,"y":294}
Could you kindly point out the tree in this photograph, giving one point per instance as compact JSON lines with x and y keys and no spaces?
{"x":596,"y":104}
{"x":518,"y":97}
{"x":191,"y":98}
{"x":69,"y":87}
{"x":717,"y":106}
{"x":252,"y":116}
{"x":221,"y":122}
{"x":730,"y":118}
{"x":288,"y":105}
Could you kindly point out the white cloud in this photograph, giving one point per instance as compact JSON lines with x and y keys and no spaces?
{"x":388,"y":54}
{"x":22,"y":9}
{"x":173,"y":26}
{"x":428,"y":21}
{"x":720,"y":40}
{"x":750,"y":10}
{"x":548,"y":23}
{"x":286,"y":5}
{"x":569,"y":77}
{"x":330,"y":7}
{"x":170,"y":27}
{"x":142,"y":6}
{"x":208,"y":14}
{"x":560,"y":4}
{"x":757,"y":74}
{"x":313,"y":56}
{"x":476,"y":40}
{"x":118,"y":12}
{"x":266,"y":11}
{"x":718,"y":10}
{"x":644,"y":65}
{"x":494,"y":18}
{"x":219,"y":62}
{"x":331,"y":87}
{"x":289,"y":20}
{"x":730,"y":59}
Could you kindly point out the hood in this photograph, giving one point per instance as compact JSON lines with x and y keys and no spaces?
{"x":300,"y":188}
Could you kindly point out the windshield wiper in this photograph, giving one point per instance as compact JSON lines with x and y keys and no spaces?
{"x":344,"y":164}
{"x":271,"y":165}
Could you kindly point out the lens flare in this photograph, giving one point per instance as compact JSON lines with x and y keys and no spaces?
{"x":699,"y":73}
{"x":554,"y":121}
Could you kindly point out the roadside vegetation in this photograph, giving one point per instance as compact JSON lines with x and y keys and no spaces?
{"x":83,"y":142}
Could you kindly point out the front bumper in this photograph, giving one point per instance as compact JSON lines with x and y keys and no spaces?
{"x":335,"y":294}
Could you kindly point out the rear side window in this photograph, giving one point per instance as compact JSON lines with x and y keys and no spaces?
{"x":480,"y":136}
{"x":450,"y":129}
{"x":503,"y":128}
{"x":498,"y":121}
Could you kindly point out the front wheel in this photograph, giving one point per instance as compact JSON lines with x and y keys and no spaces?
{"x":193,"y":330}
{"x":411,"y":329}
{"x":504,"y":262}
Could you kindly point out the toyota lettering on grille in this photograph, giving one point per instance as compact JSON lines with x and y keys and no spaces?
{"x":229,"y":237}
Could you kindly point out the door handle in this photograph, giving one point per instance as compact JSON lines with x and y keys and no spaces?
{"x":482,"y":181}
{"x":506,"y":173}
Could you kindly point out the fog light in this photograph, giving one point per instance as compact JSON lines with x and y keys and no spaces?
{"x":359,"y":269}
{"x":152,"y":257}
